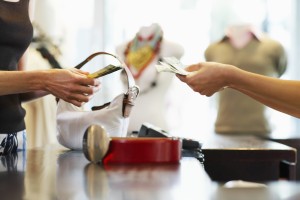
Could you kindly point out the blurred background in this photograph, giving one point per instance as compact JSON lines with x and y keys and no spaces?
{"x":72,"y":30}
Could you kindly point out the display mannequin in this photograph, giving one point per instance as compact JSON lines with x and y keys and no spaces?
{"x":141,"y":54}
{"x":245,"y":47}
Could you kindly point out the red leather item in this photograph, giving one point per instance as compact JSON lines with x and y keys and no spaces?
{"x":143,"y":150}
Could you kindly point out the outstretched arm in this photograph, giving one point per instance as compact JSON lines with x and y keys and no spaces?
{"x":208,"y":78}
{"x":71,"y":85}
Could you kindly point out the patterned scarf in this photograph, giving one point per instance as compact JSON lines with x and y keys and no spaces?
{"x":141,"y":51}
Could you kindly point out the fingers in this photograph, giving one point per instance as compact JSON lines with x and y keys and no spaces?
{"x":79,"y":71}
{"x":181,"y":77}
{"x":209,"y":92}
{"x":87,"y":90}
{"x":76,"y":103}
{"x":81,"y":89}
{"x":83,"y":94}
{"x":86,"y":87}
{"x":193,"y":67}
{"x":202,"y":79}
{"x":80,"y":97}
{"x":84,"y":80}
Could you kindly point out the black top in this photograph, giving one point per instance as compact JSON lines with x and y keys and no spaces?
{"x":15,"y":36}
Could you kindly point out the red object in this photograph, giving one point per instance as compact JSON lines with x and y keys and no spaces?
{"x":143,"y":150}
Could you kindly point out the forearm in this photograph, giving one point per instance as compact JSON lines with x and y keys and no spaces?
{"x":277,"y":105}
{"x":12,"y":82}
{"x":282,"y":95}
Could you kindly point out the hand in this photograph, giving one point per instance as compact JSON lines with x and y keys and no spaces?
{"x":71,"y":85}
{"x":207,"y":78}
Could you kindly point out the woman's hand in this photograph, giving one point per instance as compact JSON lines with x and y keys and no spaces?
{"x":71,"y":85}
{"x":207,"y":78}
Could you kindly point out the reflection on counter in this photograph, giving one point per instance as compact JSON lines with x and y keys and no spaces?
{"x":55,"y":174}
{"x":12,"y":174}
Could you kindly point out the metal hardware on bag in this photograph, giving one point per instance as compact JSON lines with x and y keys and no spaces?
{"x":128,"y":101}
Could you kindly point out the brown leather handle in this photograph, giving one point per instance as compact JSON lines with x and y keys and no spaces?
{"x":132,"y":89}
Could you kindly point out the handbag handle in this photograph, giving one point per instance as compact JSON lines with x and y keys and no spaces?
{"x":132,"y":89}
{"x":130,"y":79}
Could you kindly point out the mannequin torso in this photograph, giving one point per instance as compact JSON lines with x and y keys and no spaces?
{"x":150,"y":106}
{"x":259,"y":54}
{"x":240,"y":35}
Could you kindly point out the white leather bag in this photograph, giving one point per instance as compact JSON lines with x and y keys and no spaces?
{"x":73,"y":121}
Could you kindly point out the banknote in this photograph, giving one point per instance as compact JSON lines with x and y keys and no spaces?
{"x":171,"y":64}
{"x":104,"y":71}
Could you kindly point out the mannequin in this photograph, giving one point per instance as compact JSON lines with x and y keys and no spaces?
{"x":245,"y":47}
{"x":141,"y":54}
{"x":240,"y":35}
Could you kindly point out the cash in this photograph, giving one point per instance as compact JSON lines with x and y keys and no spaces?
{"x":106,"y":70}
{"x":171,"y":64}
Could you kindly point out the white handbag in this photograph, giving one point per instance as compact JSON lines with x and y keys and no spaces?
{"x":72,"y":121}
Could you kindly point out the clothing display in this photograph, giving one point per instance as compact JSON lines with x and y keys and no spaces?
{"x":236,"y":112}
{"x":141,"y":51}
{"x":141,"y":54}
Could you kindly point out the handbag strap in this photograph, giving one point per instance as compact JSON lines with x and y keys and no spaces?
{"x":132,"y":89}
{"x":130,"y":79}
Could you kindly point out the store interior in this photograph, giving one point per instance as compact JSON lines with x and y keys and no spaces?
{"x":71,"y":31}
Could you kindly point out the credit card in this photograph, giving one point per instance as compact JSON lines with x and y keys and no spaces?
{"x":106,"y":70}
